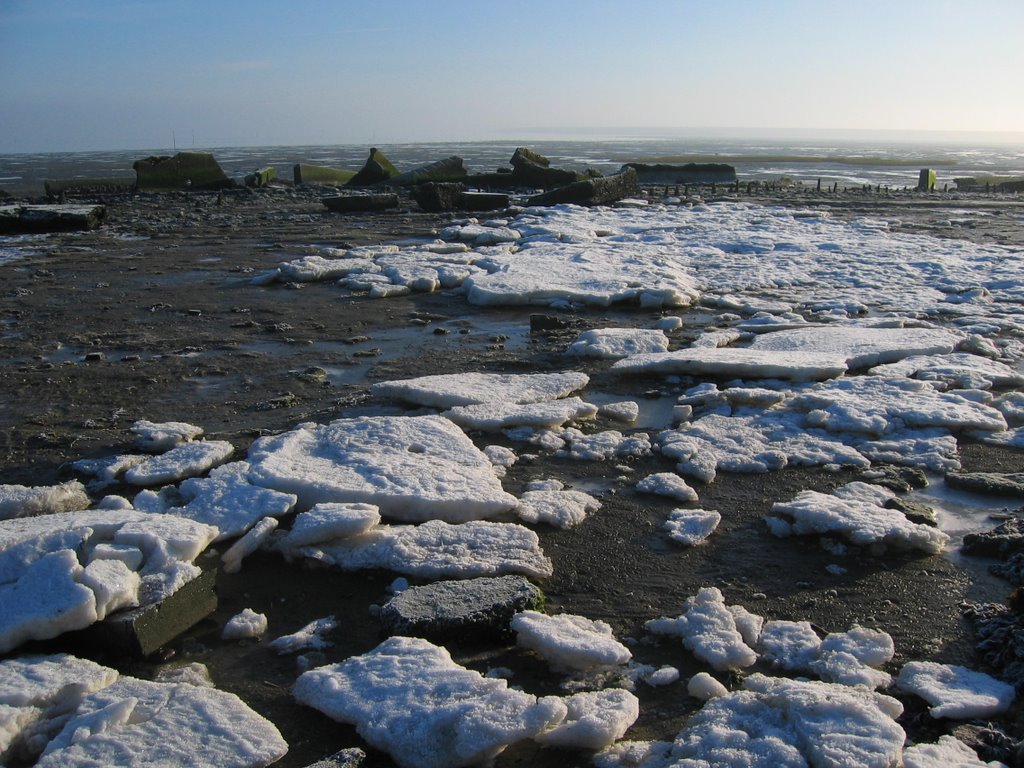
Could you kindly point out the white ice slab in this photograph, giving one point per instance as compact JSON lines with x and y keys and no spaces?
{"x":450,"y":390}
{"x":710,"y":630}
{"x":956,"y":692}
{"x":560,"y":508}
{"x":691,"y":526}
{"x":186,"y":460}
{"x":309,"y":637}
{"x":947,"y":752}
{"x":861,"y":346}
{"x":616,"y":343}
{"x":667,"y":484}
{"x":312,"y":268}
{"x":245,"y":625}
{"x":162,"y":436}
{"x":23,"y":501}
{"x":408,"y":698}
{"x":861,"y":523}
{"x":599,"y":446}
{"x":958,"y":370}
{"x":567,"y":641}
{"x":494,"y":416}
{"x":412,"y":468}
{"x":436,"y":549}
{"x":595,"y":720}
{"x":326,"y":522}
{"x":232,"y":559}
{"x":736,"y":363}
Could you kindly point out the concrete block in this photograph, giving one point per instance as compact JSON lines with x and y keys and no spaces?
{"x":50,"y":218}
{"x":449,"y":169}
{"x":304,"y":173}
{"x":357,"y":203}
{"x":377,"y":169}
{"x":73,"y":187}
{"x":600,"y":191}
{"x":687,"y":173}
{"x":186,"y":170}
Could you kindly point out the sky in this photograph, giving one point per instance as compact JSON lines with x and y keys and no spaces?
{"x":134,"y":74}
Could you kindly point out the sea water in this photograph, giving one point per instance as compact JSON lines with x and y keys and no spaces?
{"x":849,"y":164}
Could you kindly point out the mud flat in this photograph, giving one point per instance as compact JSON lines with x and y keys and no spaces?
{"x":155,"y":316}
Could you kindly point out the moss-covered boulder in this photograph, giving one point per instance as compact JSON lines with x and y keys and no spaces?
{"x":376,"y":170}
{"x":185,"y":170}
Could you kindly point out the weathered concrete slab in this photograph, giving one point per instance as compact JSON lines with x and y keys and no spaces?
{"x":303,"y":173}
{"x":354,"y":203}
{"x":523,"y":156}
{"x":433,"y":197}
{"x":1001,"y":542}
{"x":687,"y":173}
{"x":185,"y":170}
{"x":992,"y":483}
{"x":375,"y":170}
{"x":142,"y":631}
{"x":472,"y":608}
{"x":74,"y":187}
{"x":50,"y":218}
{"x":261,"y":177}
{"x":482,"y":201}
{"x":602,"y":191}
{"x":449,"y":169}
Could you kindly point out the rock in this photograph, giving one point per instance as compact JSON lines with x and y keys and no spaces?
{"x":1012,"y":570}
{"x":261,"y":177}
{"x":355,"y":203}
{"x":321,"y":174}
{"x":688,"y":173}
{"x":1000,"y":633}
{"x":989,"y":743}
{"x":477,"y":608}
{"x":50,"y":218}
{"x":914,"y":511}
{"x":186,"y":170}
{"x":482,"y":201}
{"x":376,"y":169}
{"x":346,"y":758}
{"x":541,"y":323}
{"x":993,"y":483}
{"x":449,"y":169}
{"x":527,"y":157}
{"x":600,"y":191}
{"x":142,"y":631}
{"x":72,"y":187}
{"x":899,"y":479}
{"x":435,"y":197}
{"x":1004,"y":540}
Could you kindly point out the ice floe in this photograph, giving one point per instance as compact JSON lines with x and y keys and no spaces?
{"x":954,"y":691}
{"x":232,"y":559}
{"x":594,"y":720}
{"x":567,"y":641}
{"x":735,"y":362}
{"x":691,"y":526}
{"x":311,"y":636}
{"x":22,"y":501}
{"x":667,"y":484}
{"x":162,"y":436}
{"x":958,"y":370}
{"x":560,"y":508}
{"x":64,"y":571}
{"x":451,"y":390}
{"x":718,"y":635}
{"x":411,"y":468}
{"x":494,"y":417}
{"x":185,"y":460}
{"x":615,"y":343}
{"x":859,"y":346}
{"x":61,"y":710}
{"x":245,"y":625}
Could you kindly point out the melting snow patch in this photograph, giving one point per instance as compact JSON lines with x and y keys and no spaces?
{"x":955,"y":692}
{"x":310,"y":636}
{"x":667,"y":484}
{"x":245,"y":625}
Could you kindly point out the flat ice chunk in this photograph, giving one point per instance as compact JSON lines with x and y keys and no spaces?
{"x":114,"y":584}
{"x":710,"y":630}
{"x":876,"y":406}
{"x":735,"y":363}
{"x":138,"y":722}
{"x":667,"y":484}
{"x":314,"y":268}
{"x":947,"y":752}
{"x":130,"y":556}
{"x":615,"y":343}
{"x":324,"y":522}
{"x":249,"y":543}
{"x":501,"y":457}
{"x":568,"y":641}
{"x":245,"y":625}
{"x":599,"y":446}
{"x":494,"y":417}
{"x":866,"y":492}
{"x":22,"y":501}
{"x":437,"y":549}
{"x":789,"y":645}
{"x":861,"y":523}
{"x":14,"y":559}
{"x":310,"y":636}
{"x":595,"y":720}
{"x":453,"y":389}
{"x":691,"y":526}
{"x":412,"y":468}
{"x":409,"y":699}
{"x":47,"y":600}
{"x":162,"y":436}
{"x":955,"y":692}
{"x":626,"y":411}
{"x":705,"y":687}
{"x":958,"y":370}
{"x":186,"y":460}
{"x":105,"y":471}
{"x":851,"y":657}
{"x":227,"y":500}
{"x":859,"y":346}
{"x":560,"y":508}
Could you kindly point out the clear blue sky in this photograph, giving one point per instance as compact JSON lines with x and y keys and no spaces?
{"x":125,"y":74}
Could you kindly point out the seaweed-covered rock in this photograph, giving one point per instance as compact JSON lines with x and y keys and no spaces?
{"x":475,"y":608}
{"x":914,"y":511}
{"x":375,"y":170}
{"x":602,"y":191}
{"x":899,"y":479}
{"x":1004,"y":540}
{"x":992,"y":483}
{"x":185,"y":170}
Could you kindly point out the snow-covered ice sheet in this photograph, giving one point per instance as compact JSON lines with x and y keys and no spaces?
{"x":408,"y":698}
{"x":185,"y":460}
{"x":411,"y":468}
{"x":567,"y":641}
{"x":22,"y":501}
{"x":859,"y":346}
{"x":736,"y":362}
{"x":558,"y":507}
{"x":615,"y":343}
{"x":691,"y":526}
{"x":959,"y":370}
{"x":494,"y":416}
{"x":471,"y":388}
{"x":717,"y":634}
{"x":162,"y":436}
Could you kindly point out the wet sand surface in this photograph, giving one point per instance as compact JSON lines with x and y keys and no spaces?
{"x":153,"y":317}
